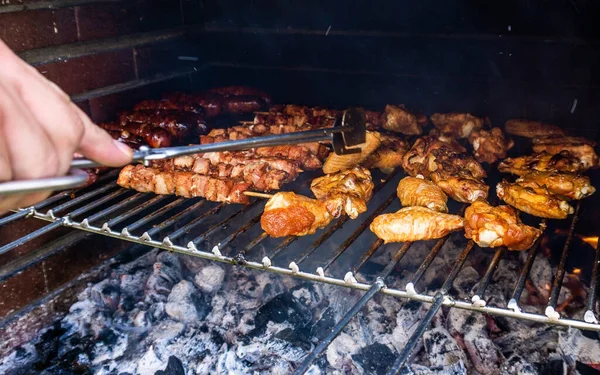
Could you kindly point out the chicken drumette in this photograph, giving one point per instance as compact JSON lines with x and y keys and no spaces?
{"x":490,"y":146}
{"x":417,"y":191}
{"x":537,"y":202}
{"x":348,"y":191}
{"x":414,"y":224}
{"x":491,"y":226}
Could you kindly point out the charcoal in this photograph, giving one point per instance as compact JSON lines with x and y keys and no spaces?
{"x":455,"y":369}
{"x":482,"y":352}
{"x":321,"y":328}
{"x":374,"y":359}
{"x":340,"y":351}
{"x":515,"y":364}
{"x":167,"y":272}
{"x":106,"y":294}
{"x":407,"y":320}
{"x":47,"y":347}
{"x":465,"y":281}
{"x":186,"y":304}
{"x":210,"y":278}
{"x":553,"y":367}
{"x":284,"y":308}
{"x":574,"y":346}
{"x":174,"y":367}
{"x":442,"y":349}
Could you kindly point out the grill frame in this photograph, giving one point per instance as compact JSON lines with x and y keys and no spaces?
{"x":47,"y":211}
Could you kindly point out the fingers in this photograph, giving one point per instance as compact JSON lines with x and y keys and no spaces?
{"x":99,"y":146}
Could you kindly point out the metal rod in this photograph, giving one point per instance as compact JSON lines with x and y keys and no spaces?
{"x":427,"y":261}
{"x":117,"y":219}
{"x":153,"y":215}
{"x":485,"y":280}
{"x":395,"y":259}
{"x":437,"y":303}
{"x":364,"y":225}
{"x":363,"y":259}
{"x":416,"y":336}
{"x":593,"y":287}
{"x":84,"y":197}
{"x":27,"y":211}
{"x":176,"y":218}
{"x":224,"y":242}
{"x":217,"y":226}
{"x":560,"y":272}
{"x":116,"y":207}
{"x":335,"y":331}
{"x":513,"y":303}
{"x":253,"y":243}
{"x":283,"y":245}
{"x":186,"y":228}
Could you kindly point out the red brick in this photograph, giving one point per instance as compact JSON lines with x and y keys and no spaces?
{"x":110,"y":20}
{"x":39,"y":28}
{"x":91,"y":72}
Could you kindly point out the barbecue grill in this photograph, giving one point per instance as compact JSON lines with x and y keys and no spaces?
{"x":297,"y":56}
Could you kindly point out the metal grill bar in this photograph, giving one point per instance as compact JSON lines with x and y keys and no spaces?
{"x":253,"y":243}
{"x":437,"y":303}
{"x":212,"y":229}
{"x":560,"y":272}
{"x":590,"y":315}
{"x":195,"y":222}
{"x":135,"y":211}
{"x":241,"y":230}
{"x":513,"y":303}
{"x":151,"y":216}
{"x":485,"y":280}
{"x":410,"y":287}
{"x":365,"y":257}
{"x":29,"y":211}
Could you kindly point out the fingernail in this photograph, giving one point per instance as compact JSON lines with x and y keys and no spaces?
{"x":124,"y":148}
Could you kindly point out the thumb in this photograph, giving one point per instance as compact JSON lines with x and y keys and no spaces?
{"x":97,"y":145}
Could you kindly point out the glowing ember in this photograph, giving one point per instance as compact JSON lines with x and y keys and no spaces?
{"x":593,"y":240}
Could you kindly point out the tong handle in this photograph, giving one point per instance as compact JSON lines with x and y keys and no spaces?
{"x":74,"y":179}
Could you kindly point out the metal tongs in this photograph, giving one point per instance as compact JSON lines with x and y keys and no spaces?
{"x":348,"y":132}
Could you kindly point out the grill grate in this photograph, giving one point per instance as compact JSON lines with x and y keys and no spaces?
{"x":166,"y":222}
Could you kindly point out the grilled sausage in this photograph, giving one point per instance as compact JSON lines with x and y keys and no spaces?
{"x":154,"y":137}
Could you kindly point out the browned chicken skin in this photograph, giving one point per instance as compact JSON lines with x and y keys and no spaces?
{"x":491,"y":226}
{"x":417,"y":191}
{"x":290,"y":214}
{"x":398,"y":119}
{"x":461,"y":186}
{"x":490,"y":146}
{"x":530,"y":129}
{"x":347,"y":191}
{"x":581,"y":148}
{"x":538,"y":202}
{"x":458,"y":124}
{"x":388,"y":155}
{"x":543,"y":162}
{"x":414,"y":224}
{"x":565,"y":185}
{"x":336,"y":163}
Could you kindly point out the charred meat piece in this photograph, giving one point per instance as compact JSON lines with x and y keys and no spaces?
{"x":298,"y":110}
{"x":418,"y":158}
{"x":389,"y":155}
{"x":565,"y":185}
{"x":347,"y":191}
{"x":300,"y":153}
{"x":167,"y":104}
{"x":211,"y":104}
{"x":460,"y":125}
{"x":417,"y":191}
{"x":184,"y":184}
{"x":398,"y":119}
{"x":490,"y":146}
{"x":290,"y":214}
{"x":240,"y":104}
{"x":336,"y":163}
{"x":530,"y":129}
{"x":460,"y":186}
{"x":179,"y":124}
{"x":564,"y":161}
{"x":538,"y":202}
{"x":241,"y":91}
{"x":155,"y":137}
{"x":579,"y":147}
{"x":491,"y":226}
{"x":414,"y":224}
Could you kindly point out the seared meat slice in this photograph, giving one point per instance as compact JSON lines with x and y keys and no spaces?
{"x":153,"y":136}
{"x":579,"y":147}
{"x":398,"y":119}
{"x":544,"y":162}
{"x":179,"y":124}
{"x":536,"y":202}
{"x":491,"y":226}
{"x":460,"y":125}
{"x":530,"y":129}
{"x":347,"y":191}
{"x":565,"y":185}
{"x":417,"y":191}
{"x":414,"y":224}
{"x":490,"y":146}
{"x":290,"y":214}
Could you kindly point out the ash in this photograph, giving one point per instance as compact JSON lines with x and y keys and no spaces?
{"x":179,"y":315}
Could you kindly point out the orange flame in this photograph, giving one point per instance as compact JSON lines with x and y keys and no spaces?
{"x":593,"y":241}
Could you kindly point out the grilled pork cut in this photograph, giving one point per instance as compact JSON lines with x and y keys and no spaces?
{"x":291,"y":214}
{"x":184,"y":184}
{"x":491,"y":226}
{"x":414,"y":224}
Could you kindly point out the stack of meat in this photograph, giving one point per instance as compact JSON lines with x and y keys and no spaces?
{"x":225,"y":176}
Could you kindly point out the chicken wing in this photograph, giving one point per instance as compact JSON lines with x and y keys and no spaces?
{"x":290,"y":214}
{"x":419,"y":159}
{"x":530,"y":129}
{"x":388,"y":155}
{"x":490,"y":146}
{"x":414,"y":224}
{"x":544,"y":162}
{"x":565,"y":185}
{"x":458,"y":124}
{"x":579,"y":147}
{"x":460,"y":186}
{"x":538,"y":202}
{"x":398,"y":119}
{"x":336,"y":163}
{"x":346,"y":191}
{"x":416,"y":191}
{"x":491,"y":226}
